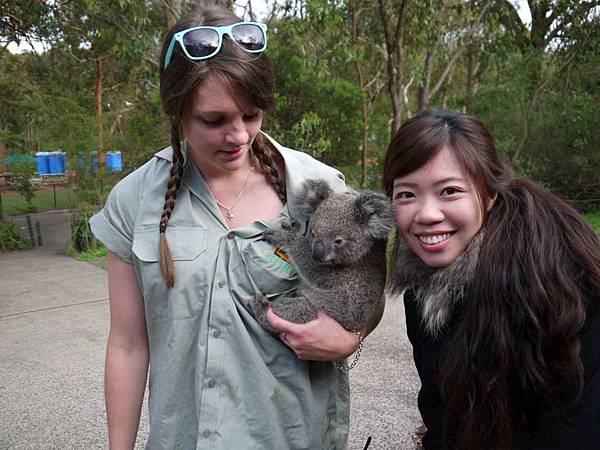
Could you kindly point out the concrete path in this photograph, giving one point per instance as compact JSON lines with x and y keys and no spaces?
{"x":53,"y":330}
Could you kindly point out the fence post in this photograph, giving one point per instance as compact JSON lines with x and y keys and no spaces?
{"x":30,"y":229}
{"x":38,"y":229}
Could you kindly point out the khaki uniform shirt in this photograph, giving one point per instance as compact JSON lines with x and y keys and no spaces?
{"x":218,"y":380}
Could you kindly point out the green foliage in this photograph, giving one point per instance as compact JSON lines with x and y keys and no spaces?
{"x":315,"y":111}
{"x":593,"y":219}
{"x":10,"y":237}
{"x":307,"y":135}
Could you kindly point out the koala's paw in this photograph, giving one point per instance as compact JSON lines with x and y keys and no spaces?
{"x":284,"y":235}
{"x":259,"y":306}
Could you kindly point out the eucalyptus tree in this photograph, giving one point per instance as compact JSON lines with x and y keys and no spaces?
{"x":22,"y":21}
{"x":106,"y":34}
{"x":559,"y":31}
{"x":365,"y":52}
{"x":424,"y":42}
{"x":318,"y":100}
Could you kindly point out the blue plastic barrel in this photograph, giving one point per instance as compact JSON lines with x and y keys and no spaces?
{"x":113,"y":162}
{"x":54,"y":163}
{"x":42,"y":161}
{"x":108,"y":157}
{"x":62,"y":161}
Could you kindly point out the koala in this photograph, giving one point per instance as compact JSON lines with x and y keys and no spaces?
{"x":340,"y":259}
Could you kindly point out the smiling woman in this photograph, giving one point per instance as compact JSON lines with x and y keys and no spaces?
{"x":501,"y":285}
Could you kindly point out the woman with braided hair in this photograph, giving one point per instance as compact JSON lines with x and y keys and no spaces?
{"x":501,"y":283}
{"x":186,"y":257}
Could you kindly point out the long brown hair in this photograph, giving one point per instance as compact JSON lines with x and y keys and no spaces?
{"x":243,"y":72}
{"x":514,"y":352}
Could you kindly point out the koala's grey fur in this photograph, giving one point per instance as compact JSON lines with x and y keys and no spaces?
{"x":340,"y":259}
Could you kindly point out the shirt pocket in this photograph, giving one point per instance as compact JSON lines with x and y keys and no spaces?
{"x":188,"y":296}
{"x":268,"y":269}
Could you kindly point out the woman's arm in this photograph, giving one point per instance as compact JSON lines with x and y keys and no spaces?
{"x":323,"y":339}
{"x":126,"y":354}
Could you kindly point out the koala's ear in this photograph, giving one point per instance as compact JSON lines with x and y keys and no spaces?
{"x":376,"y":211}
{"x":313,"y":193}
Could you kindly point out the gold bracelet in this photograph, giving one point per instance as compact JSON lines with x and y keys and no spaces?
{"x":357,"y":356}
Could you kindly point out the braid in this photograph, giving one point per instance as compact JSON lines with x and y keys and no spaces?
{"x":264,"y":155}
{"x":166,"y":261}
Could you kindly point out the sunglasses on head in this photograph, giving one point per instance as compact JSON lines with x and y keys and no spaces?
{"x":205,"y":42}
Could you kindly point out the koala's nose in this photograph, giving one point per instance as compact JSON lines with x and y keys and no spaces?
{"x":318,"y":250}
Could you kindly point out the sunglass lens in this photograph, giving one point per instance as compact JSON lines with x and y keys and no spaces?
{"x":251,"y":37}
{"x":201,"y":43}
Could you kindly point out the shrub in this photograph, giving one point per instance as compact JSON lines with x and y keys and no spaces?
{"x":81,"y":238}
{"x":23,"y":172}
{"x":10,"y":237}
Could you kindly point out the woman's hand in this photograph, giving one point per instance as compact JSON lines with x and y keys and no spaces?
{"x":322,"y":339}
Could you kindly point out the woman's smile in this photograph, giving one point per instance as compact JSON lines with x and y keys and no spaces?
{"x":434,"y":242}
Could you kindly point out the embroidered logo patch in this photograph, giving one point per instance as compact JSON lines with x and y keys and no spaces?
{"x":282,"y":254}
{"x":281,"y":259}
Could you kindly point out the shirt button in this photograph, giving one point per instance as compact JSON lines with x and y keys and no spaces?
{"x":212,"y":383}
{"x":221,"y":284}
{"x":217,"y":334}
{"x":206,"y":434}
{"x":230,"y":235}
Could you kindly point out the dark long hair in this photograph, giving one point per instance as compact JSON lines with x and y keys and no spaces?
{"x":242,"y":72}
{"x":514,"y":353}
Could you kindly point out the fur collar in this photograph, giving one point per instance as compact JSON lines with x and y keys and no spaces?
{"x":437,"y":291}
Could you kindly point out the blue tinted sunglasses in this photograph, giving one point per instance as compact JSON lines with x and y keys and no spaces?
{"x":205,"y":42}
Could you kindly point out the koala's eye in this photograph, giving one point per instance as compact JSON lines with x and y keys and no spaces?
{"x":338,"y":241}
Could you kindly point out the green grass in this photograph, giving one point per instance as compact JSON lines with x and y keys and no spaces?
{"x":593,"y":219}
{"x":13,"y":203}
{"x":66,"y":197}
{"x":96,"y":254}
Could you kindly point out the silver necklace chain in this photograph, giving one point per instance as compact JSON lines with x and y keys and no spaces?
{"x":228,"y":214}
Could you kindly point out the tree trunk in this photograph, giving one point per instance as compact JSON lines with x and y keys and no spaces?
{"x":424,"y":94}
{"x":397,"y":111}
{"x":365,"y":145}
{"x":99,"y":131}
{"x":394,"y":46}
{"x":469,"y":90}
{"x":470,"y":52}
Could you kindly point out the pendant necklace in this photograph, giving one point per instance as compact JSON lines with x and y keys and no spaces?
{"x":228,"y":214}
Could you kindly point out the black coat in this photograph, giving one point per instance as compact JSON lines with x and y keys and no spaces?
{"x":578,"y":429}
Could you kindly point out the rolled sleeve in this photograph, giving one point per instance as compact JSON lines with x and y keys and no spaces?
{"x":113,"y":225}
